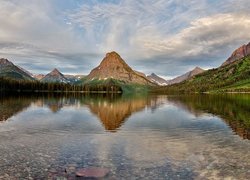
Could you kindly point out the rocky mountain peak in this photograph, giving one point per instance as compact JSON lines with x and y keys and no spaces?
{"x":238,"y":54}
{"x":5,"y":62}
{"x":55,"y":76}
{"x":114,"y":67}
{"x":55,"y":72}
{"x":39,"y":76}
{"x":188,"y":75}
{"x":156,"y":79}
{"x":113,"y":54}
{"x":197,"y":69}
{"x":113,"y":60}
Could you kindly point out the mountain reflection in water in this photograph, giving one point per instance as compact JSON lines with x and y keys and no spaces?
{"x":114,"y":110}
{"x":138,"y":137}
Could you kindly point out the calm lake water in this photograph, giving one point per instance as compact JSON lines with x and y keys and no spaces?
{"x":140,"y":137}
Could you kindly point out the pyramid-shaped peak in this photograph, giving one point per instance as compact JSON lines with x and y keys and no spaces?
{"x":195,"y":71}
{"x":55,"y":72}
{"x":113,"y":59}
{"x":55,"y":76}
{"x":114,"y":67}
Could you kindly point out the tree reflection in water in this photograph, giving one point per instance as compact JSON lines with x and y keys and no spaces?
{"x":114,"y":109}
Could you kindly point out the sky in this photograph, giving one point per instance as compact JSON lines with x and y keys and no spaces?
{"x":167,"y":37}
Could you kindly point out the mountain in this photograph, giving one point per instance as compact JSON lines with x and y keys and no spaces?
{"x":71,"y":78}
{"x":239,"y":53}
{"x":9,"y":70}
{"x":26,"y":71}
{"x":74,"y":78}
{"x":38,"y":76}
{"x":114,"y":67}
{"x":158,"y":80}
{"x":233,"y":77}
{"x":186,"y":76}
{"x":55,"y":76}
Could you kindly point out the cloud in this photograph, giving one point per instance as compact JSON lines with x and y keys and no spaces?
{"x":116,"y":26}
{"x":33,"y":36}
{"x":203,"y":37}
{"x":173,"y":36}
{"x":206,"y":42}
{"x":176,"y":33}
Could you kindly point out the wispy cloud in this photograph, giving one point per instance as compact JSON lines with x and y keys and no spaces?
{"x":172,"y":36}
{"x":203,"y":37}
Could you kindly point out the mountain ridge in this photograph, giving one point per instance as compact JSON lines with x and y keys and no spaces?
{"x":186,"y":76}
{"x":233,"y":77}
{"x":114,"y":71}
{"x":10,"y":70}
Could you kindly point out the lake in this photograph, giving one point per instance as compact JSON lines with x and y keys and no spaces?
{"x":51,"y":136}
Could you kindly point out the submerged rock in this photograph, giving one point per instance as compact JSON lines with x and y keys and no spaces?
{"x":92,"y":172}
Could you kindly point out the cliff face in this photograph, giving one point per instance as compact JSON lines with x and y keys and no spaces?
{"x":114,"y":67}
{"x":239,"y":53}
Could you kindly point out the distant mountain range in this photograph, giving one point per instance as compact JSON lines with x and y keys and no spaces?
{"x":114,"y":68}
{"x":111,"y":67}
{"x":232,"y":76}
{"x":11,"y":71}
{"x":162,"y":82}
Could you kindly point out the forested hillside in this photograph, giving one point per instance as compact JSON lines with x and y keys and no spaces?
{"x":234,"y":77}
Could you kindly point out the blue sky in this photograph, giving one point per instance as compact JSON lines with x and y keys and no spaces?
{"x":167,"y":37}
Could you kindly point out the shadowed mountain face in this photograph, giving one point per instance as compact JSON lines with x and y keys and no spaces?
{"x":9,"y":70}
{"x":238,"y":54}
{"x":233,"y":109}
{"x":114,"y":67}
